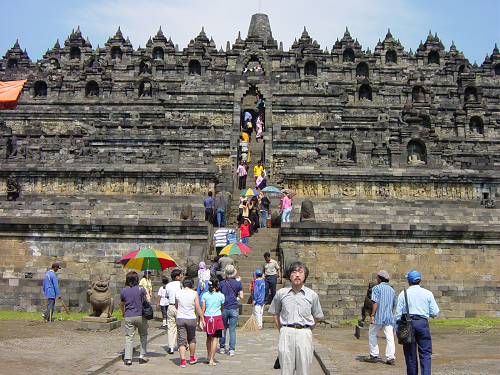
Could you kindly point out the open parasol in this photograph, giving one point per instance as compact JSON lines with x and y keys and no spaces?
{"x":147,"y":259}
{"x":290,"y":192}
{"x":248,"y":192}
{"x":271,"y":189}
{"x":234,"y":249}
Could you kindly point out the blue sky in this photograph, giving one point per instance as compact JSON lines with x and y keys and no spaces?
{"x":474,"y":26}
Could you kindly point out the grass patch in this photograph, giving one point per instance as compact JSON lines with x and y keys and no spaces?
{"x":349,"y":322}
{"x":20,"y":315}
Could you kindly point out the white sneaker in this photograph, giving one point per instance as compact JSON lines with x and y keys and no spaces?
{"x":222,"y":351}
{"x":231,"y":353}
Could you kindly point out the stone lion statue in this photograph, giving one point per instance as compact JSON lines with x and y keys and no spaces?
{"x":99,"y":296}
{"x":366,"y":310}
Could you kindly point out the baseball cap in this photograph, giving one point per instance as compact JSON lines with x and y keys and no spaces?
{"x":258,"y":272}
{"x":384,"y":274}
{"x":55,"y":264}
{"x":413,"y":276}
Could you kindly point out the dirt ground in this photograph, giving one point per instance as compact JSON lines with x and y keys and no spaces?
{"x":40,"y":347}
{"x":456,"y":350}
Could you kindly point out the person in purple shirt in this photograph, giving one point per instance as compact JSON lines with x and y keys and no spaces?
{"x":131,"y":305}
{"x":233,"y":291}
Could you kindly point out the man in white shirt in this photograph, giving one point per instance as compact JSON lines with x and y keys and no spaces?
{"x":171,"y":289}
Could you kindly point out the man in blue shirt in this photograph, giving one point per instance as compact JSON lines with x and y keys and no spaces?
{"x":384,"y":302}
{"x":422,"y":305}
{"x":209,"y":208}
{"x":51,"y":290}
{"x":259,"y":287}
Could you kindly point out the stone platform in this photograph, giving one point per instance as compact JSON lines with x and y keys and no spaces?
{"x":99,"y":324}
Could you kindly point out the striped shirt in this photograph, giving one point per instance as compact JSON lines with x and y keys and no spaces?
{"x":220,"y":236}
{"x":384,"y":295}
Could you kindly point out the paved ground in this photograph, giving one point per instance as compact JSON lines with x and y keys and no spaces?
{"x":253,"y":355}
{"x":39,"y":347}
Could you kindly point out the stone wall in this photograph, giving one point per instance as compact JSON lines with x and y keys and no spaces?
{"x":84,"y":249}
{"x":459,"y":265}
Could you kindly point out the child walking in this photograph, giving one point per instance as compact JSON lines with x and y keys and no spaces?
{"x":163,"y":300}
{"x":245,"y":231}
{"x":259,"y":288}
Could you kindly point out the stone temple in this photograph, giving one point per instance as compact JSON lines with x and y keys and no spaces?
{"x":398,"y":151}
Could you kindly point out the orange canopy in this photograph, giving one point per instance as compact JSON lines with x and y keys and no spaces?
{"x":9,"y":93}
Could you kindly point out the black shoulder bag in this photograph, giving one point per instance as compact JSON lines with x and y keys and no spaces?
{"x":147,"y":310}
{"x":405,"y":332}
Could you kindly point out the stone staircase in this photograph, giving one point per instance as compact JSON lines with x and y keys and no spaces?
{"x":255,"y":147}
{"x":266,"y":239}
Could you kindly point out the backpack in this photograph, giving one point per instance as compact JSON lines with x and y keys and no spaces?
{"x":231,"y":237}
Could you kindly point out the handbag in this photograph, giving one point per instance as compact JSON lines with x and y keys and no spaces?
{"x":147,"y":309}
{"x":405,"y":332}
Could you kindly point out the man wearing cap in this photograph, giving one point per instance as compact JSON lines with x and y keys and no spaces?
{"x":384,"y":302}
{"x":51,"y":290}
{"x":259,"y":287}
{"x":422,"y":305}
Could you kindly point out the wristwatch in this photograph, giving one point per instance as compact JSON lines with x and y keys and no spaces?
{"x":372,"y":316}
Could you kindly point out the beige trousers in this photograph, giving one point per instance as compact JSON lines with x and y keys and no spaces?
{"x":171,"y":326}
{"x":295,"y":350}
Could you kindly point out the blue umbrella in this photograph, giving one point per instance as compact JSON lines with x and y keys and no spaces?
{"x":271,"y":189}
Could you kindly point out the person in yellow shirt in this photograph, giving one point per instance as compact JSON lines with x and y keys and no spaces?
{"x":146,"y":283}
{"x":245,"y":137}
{"x":257,"y":170}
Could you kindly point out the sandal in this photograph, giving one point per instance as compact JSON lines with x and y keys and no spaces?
{"x":143,"y":360}
{"x":128,"y":363}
